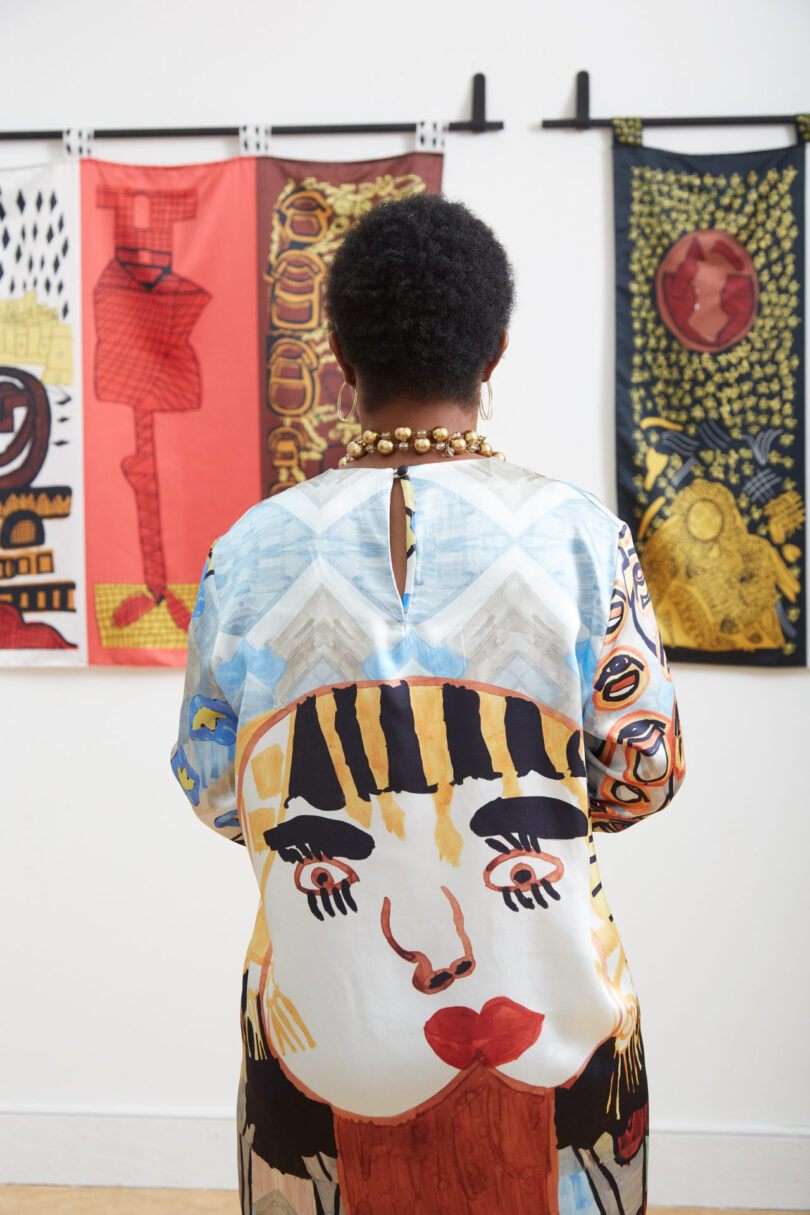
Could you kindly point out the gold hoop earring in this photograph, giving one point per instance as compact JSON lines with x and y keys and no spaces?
{"x":486,"y":413}
{"x":338,"y":404}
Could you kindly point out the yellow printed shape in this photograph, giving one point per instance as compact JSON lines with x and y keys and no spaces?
{"x":206,"y":718}
{"x":646,"y":423}
{"x":656,"y":462}
{"x":448,"y":839}
{"x":393,"y":815}
{"x":267,"y":771}
{"x":648,"y":516}
{"x":284,"y":1023}
{"x":267,"y":768}
{"x":368,"y":717}
{"x":259,"y":944}
{"x":428,"y":718}
{"x":493,"y":712}
{"x":185,"y":780}
{"x":785,"y":515}
{"x":263,"y":818}
{"x":611,"y":966}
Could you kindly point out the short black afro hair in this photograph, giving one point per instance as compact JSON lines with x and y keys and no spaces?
{"x":419,"y":295}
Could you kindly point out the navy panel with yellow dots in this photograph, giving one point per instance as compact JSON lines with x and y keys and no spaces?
{"x":710,"y":336}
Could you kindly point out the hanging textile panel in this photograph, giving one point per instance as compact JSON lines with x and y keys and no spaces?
{"x":710,"y":396}
{"x":304,"y":211}
{"x":171,"y":392}
{"x":42,"y":597}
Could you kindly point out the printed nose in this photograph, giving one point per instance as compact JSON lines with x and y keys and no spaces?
{"x":428,"y":978}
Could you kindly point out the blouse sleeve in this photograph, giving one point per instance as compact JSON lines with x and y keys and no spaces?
{"x":633,"y":742}
{"x":204,"y":754}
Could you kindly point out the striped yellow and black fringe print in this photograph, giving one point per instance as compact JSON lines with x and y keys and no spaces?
{"x":351,"y":742}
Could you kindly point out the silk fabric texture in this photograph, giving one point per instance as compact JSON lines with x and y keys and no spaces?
{"x":436,"y":1005}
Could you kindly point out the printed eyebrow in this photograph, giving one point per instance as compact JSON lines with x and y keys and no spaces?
{"x":549,"y":818}
{"x":311,"y":835}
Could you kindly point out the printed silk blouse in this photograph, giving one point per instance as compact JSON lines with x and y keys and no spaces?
{"x":437,"y":1012}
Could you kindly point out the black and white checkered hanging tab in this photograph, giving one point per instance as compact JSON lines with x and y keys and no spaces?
{"x":78,"y":142}
{"x":431,"y":136}
{"x":254,"y":139}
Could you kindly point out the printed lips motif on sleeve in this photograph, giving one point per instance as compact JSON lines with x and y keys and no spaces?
{"x":501,"y":1032}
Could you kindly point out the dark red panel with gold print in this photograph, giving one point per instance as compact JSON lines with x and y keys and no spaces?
{"x":304,"y":211}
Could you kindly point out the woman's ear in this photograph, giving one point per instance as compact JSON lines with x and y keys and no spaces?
{"x":335,"y":347}
{"x":490,"y":367}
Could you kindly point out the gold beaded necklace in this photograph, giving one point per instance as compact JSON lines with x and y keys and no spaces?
{"x":403,"y":438}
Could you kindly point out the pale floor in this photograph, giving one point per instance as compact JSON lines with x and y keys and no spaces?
{"x":98,"y":1200}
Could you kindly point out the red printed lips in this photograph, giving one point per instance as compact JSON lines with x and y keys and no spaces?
{"x":501,"y":1032}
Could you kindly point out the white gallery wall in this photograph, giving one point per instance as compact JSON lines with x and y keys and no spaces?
{"x":122,"y":920}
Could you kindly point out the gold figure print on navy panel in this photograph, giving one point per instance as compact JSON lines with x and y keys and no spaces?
{"x":305,"y":210}
{"x":710,"y":396}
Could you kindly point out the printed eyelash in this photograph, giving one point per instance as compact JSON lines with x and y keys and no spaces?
{"x":300,"y":852}
{"x":515,"y":841}
{"x":346,"y":891}
{"x":341,"y":895}
{"x":539,"y":901}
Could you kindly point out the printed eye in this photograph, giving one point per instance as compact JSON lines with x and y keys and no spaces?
{"x":326,"y":882}
{"x":640,"y":585}
{"x":647,"y":750}
{"x":618,"y":610}
{"x":628,"y":795}
{"x":524,"y":875}
{"x":646,"y":735}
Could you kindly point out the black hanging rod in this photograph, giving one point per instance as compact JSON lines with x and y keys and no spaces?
{"x":477,"y":123}
{"x":582,"y":121}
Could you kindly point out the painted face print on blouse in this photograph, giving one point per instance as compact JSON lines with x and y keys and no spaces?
{"x":636,"y":599}
{"x":408,"y":837}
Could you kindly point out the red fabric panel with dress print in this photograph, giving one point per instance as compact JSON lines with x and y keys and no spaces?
{"x":171,"y":392}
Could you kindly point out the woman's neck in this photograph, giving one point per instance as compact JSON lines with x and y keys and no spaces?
{"x":454,"y":415}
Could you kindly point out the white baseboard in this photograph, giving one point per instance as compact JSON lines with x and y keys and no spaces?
{"x":705,"y":1167}
{"x":168,"y":1152}
{"x":718,"y":1167}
